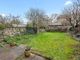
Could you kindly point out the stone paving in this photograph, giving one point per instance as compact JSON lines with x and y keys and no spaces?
{"x":34,"y":57}
{"x":13,"y":53}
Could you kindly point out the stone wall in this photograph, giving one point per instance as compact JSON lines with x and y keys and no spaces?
{"x":14,"y":31}
{"x":60,"y":28}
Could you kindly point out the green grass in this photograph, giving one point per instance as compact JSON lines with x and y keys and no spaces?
{"x":56,"y":45}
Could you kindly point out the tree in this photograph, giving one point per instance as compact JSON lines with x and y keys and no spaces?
{"x":15,"y":20}
{"x":72,"y":14}
{"x":2,"y":22}
{"x":37,"y":17}
{"x":54,"y":17}
{"x":9,"y":20}
{"x":2,"y":19}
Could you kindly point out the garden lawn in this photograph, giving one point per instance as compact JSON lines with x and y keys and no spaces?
{"x":56,"y":45}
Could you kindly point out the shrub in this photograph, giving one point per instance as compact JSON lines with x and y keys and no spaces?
{"x":31,"y":30}
{"x":2,"y":26}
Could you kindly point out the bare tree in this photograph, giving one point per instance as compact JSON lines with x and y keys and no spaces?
{"x":37,"y":17}
{"x":54,"y":16}
{"x":2,"y":19}
{"x":72,"y":14}
{"x":9,"y":20}
{"x":15,"y":20}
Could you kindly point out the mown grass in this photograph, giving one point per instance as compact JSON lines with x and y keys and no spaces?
{"x":56,"y":45}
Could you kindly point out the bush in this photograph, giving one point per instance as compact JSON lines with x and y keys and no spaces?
{"x":2,"y":26}
{"x":31,"y":30}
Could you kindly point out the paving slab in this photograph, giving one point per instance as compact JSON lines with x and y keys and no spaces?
{"x":35,"y":57}
{"x":12,"y":54}
{"x":15,"y":52}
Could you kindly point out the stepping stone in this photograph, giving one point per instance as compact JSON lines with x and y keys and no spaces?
{"x":13,"y":53}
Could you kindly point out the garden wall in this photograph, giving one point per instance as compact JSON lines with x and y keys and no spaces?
{"x":14,"y":31}
{"x":60,"y":28}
